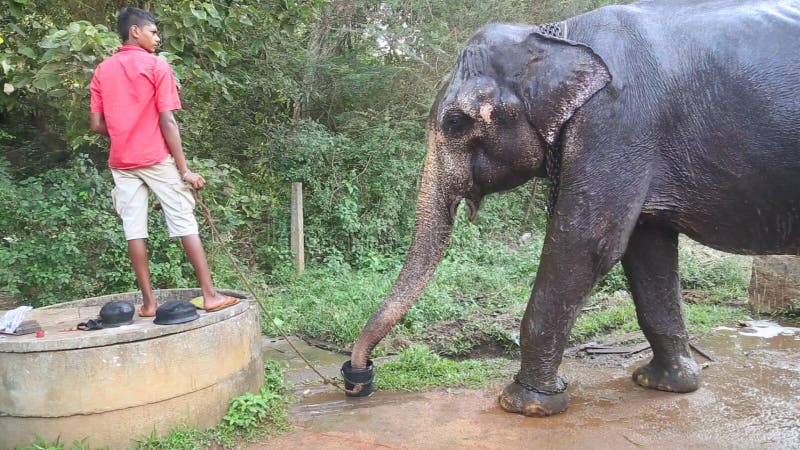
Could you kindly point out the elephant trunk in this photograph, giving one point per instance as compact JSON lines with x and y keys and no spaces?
{"x":432,"y":229}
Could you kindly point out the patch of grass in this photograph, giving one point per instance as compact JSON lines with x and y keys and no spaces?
{"x":328,"y":304}
{"x":479,"y":292}
{"x":346,"y":299}
{"x":718,"y":276}
{"x":700,"y":319}
{"x":182,"y":438}
{"x":620,"y":316}
{"x":418,"y":368}
{"x":41,"y":444}
{"x":262,"y":413}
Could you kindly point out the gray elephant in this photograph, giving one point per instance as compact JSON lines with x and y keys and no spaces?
{"x":651,"y":119}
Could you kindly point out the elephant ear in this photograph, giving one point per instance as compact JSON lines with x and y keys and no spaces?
{"x":558,"y":78}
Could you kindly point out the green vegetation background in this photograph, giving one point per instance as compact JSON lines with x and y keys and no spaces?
{"x":333,"y":94}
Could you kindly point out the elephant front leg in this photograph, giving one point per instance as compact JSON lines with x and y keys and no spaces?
{"x":651,"y":265}
{"x":568,"y":271}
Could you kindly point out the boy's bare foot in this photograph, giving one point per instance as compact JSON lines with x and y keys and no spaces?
{"x":218,"y":302}
{"x":148,"y":311}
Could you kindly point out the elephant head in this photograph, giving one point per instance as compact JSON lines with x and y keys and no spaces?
{"x":491,"y":128}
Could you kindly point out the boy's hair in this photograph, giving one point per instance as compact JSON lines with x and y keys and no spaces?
{"x":129,"y":17}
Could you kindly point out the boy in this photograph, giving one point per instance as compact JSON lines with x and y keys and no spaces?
{"x":133,"y":94}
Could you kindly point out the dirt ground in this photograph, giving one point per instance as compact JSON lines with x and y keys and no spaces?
{"x":750,"y":398}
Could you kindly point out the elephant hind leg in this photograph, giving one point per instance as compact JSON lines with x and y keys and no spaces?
{"x":651,"y":265}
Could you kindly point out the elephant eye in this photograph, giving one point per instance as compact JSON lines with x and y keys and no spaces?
{"x":456,"y":121}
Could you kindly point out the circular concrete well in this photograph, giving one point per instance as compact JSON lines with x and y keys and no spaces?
{"x":116,"y":385}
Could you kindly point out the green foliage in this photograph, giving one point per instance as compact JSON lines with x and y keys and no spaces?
{"x":41,"y":444}
{"x":618,"y":316}
{"x":345,"y":299}
{"x":350,"y":218}
{"x":497,"y":276}
{"x":418,"y":368}
{"x":62,"y":240}
{"x":45,"y":76}
{"x":703,"y":317}
{"x":718,"y":277}
{"x":182,"y":438}
{"x":615,"y":317}
{"x":262,"y":413}
{"x":476,"y":298}
{"x":614,"y":281}
{"x":55,"y":248}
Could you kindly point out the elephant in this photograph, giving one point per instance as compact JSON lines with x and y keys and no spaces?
{"x":650,"y":120}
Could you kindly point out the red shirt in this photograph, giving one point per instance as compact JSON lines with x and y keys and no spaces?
{"x":130,"y":88}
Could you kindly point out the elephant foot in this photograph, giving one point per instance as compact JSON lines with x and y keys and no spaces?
{"x":682,"y":375}
{"x":526,"y":400}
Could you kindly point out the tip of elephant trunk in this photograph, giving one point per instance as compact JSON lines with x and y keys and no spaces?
{"x":472,"y":208}
{"x":358,"y":382}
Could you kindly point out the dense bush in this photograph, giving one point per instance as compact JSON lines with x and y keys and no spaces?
{"x":62,"y":240}
{"x":331,"y":94}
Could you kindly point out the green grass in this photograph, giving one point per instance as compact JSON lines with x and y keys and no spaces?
{"x":702,"y":318}
{"x":622,"y":317}
{"x":480,"y":291}
{"x":418,"y":368}
{"x":41,"y":444}
{"x":182,"y":438}
{"x":474,"y":277}
{"x":617,"y":317}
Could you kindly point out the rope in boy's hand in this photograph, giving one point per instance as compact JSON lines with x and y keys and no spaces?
{"x":194,"y":179}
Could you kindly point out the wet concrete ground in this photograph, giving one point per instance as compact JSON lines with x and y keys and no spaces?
{"x":750,"y":398}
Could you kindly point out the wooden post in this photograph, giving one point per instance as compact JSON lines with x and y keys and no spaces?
{"x":298,"y":248}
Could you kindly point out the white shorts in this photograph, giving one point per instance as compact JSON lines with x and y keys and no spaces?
{"x":130,"y":198}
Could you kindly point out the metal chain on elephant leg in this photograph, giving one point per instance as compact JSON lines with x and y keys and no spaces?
{"x":561,"y":382}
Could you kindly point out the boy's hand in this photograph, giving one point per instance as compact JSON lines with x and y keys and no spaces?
{"x":194,"y":179}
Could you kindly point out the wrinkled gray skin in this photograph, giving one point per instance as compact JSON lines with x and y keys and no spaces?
{"x":654,"y":119}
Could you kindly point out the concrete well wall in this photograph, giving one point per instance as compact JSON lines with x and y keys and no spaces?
{"x":111,"y":387}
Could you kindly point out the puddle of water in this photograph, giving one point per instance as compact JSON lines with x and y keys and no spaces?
{"x":764,"y":329}
{"x":750,"y":398}
{"x":279,"y":350}
{"x":332,"y":403}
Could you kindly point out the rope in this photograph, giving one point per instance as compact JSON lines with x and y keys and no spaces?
{"x":215,"y":236}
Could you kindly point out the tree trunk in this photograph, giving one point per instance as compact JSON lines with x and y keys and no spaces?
{"x":775,"y":284}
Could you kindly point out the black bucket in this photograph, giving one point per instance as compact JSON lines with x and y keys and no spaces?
{"x":353,"y":376}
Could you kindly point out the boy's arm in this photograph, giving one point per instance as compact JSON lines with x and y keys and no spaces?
{"x":97,"y":122}
{"x":169,"y":128}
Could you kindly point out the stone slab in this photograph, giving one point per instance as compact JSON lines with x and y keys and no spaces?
{"x":53,"y":319}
